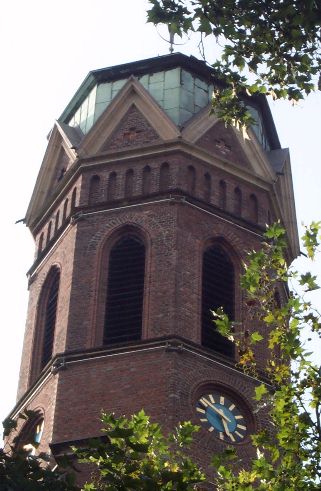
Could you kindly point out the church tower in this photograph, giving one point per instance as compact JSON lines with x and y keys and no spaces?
{"x":142,"y":213}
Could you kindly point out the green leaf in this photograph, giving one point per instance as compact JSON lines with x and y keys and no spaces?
{"x":260,"y":391}
{"x":256,"y":337}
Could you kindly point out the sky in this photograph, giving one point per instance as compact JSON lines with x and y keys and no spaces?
{"x":47,"y":49}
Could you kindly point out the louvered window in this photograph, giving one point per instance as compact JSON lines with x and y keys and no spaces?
{"x":50,"y":313}
{"x":217,"y":291}
{"x":125,"y":291}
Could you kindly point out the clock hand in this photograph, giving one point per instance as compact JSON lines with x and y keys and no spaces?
{"x":227,"y":431}
{"x":218,"y":411}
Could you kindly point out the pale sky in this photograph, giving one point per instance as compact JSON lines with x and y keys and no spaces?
{"x":47,"y":49}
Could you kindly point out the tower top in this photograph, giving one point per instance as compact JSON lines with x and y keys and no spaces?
{"x":182,"y":85}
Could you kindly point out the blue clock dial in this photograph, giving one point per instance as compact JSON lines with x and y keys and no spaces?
{"x":220,"y":415}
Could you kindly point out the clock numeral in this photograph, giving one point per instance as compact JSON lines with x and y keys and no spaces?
{"x":221,"y":436}
{"x":200,"y":410}
{"x":239,"y":434}
{"x":238,"y":416}
{"x":232,"y":406}
{"x":241,"y":427}
{"x":211,"y":399}
{"x":211,"y":428}
{"x":222,"y":400}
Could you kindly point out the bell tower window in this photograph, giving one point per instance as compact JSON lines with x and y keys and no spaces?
{"x":217,"y":291}
{"x":125,"y":291}
{"x":49,"y":310}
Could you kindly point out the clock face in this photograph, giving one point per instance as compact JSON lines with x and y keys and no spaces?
{"x":220,"y":415}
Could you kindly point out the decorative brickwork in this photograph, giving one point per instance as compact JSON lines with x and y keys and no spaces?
{"x":133,"y":130}
{"x":220,"y":140}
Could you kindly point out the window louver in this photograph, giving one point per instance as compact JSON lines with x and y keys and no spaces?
{"x":50,"y":320}
{"x":125,"y":290}
{"x":217,"y":291}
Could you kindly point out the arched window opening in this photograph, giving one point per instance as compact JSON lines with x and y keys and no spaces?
{"x":254,"y":209}
{"x":147,"y":180}
{"x":191,"y":179}
{"x":111,"y":188}
{"x":73,"y":199}
{"x":207,"y":186}
{"x":65,"y":210}
{"x":48,"y":233}
{"x":94,"y":190}
{"x":125,"y":291}
{"x":57,"y":221}
{"x":222,"y":195}
{"x":164,"y":177}
{"x":30,"y":436}
{"x":237,"y":202}
{"x":49,"y":310}
{"x":40,"y":244}
{"x":217,"y":291}
{"x":129,"y":183}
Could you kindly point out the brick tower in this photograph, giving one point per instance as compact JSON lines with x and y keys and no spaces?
{"x":142,"y":213}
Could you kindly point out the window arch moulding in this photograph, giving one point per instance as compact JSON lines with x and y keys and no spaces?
{"x":96,"y":337}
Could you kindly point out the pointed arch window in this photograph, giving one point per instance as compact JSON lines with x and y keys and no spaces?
{"x":57,"y":221}
{"x":129,"y":183}
{"x":94,"y":190}
{"x":111,"y":188}
{"x":48,"y":314}
{"x":65,"y":210}
{"x":125,"y":291}
{"x":147,"y":175}
{"x":218,"y":284}
{"x":49,"y":232}
{"x":164,"y":177}
{"x":222,"y":195}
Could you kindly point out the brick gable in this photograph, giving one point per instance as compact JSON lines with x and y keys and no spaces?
{"x":133,"y":130}
{"x":221,"y":141}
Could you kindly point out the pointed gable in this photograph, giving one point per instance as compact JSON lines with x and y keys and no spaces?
{"x":221,"y":140}
{"x":131,"y":115}
{"x":59,"y":157}
{"x":133,"y":130}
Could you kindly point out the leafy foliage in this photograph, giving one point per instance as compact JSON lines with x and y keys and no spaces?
{"x":21,"y":471}
{"x":288,"y":458}
{"x":136,"y":455}
{"x":269,"y":47}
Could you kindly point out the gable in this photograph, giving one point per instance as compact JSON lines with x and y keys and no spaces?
{"x":221,"y":140}
{"x":59,"y":157}
{"x":133,"y":130}
{"x":133,"y":117}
